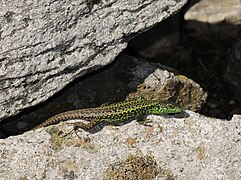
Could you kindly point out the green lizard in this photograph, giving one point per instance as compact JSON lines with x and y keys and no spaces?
{"x":113,"y":113}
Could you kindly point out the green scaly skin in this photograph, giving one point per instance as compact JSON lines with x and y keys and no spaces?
{"x":113,"y":113}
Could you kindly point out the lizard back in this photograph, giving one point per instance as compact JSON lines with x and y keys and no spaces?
{"x":116,"y":112}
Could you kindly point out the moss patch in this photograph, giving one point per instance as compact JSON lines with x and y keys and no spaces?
{"x":137,"y":166}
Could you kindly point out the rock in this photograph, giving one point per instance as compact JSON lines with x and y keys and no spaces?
{"x":214,"y":19}
{"x":215,"y":11}
{"x":176,"y":147}
{"x":113,"y":84}
{"x":162,"y":84}
{"x":47,"y":44}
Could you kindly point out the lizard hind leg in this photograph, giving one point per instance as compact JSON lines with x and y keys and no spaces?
{"x":71,"y":132}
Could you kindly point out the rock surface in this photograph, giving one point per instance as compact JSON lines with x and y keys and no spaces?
{"x":47,"y":44}
{"x":163,"y":84}
{"x":215,"y":11}
{"x":185,"y":146}
{"x":215,"y":19}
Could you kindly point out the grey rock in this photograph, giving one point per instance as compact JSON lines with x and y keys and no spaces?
{"x":47,"y":44}
{"x":214,"y":20}
{"x":165,"y":84}
{"x":215,"y":11}
{"x":178,"y":147}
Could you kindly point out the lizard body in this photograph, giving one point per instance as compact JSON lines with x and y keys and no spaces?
{"x":113,"y":113}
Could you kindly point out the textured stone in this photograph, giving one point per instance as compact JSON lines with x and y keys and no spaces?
{"x":214,"y":20}
{"x":185,"y":146}
{"x":215,"y":11}
{"x":47,"y":44}
{"x":162,"y":84}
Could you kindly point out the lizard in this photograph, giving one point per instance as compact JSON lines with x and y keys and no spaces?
{"x":113,"y":113}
